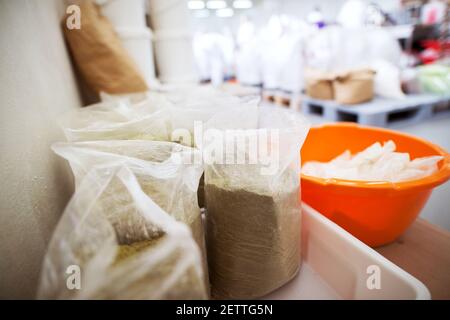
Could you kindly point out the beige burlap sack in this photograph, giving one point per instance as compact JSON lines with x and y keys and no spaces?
{"x":171,"y":184}
{"x":100,"y":56}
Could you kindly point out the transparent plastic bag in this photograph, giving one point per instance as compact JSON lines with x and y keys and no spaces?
{"x":253,"y":208}
{"x":164,"y":116}
{"x":125,"y":246}
{"x":118,"y":120}
{"x":166,"y":172}
{"x":205,"y":104}
{"x":434,"y":78}
{"x":387,"y":81}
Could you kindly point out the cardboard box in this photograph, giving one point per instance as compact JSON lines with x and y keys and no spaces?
{"x":319,"y":85}
{"x":354,"y":86}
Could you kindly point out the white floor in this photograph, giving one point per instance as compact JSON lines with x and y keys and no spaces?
{"x":437,"y":209}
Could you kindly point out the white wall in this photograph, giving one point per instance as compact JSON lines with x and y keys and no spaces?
{"x":263,"y":9}
{"x":36,"y":85}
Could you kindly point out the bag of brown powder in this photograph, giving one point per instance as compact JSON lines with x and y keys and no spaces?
{"x":253,"y":206}
{"x":114,"y":242}
{"x":319,"y":84}
{"x":120,"y":119}
{"x":166,"y":172}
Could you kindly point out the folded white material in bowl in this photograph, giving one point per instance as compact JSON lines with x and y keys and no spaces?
{"x":375,"y":163}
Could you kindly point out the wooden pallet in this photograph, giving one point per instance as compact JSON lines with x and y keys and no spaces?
{"x":268,"y":95}
{"x":282,"y":98}
{"x":380,"y":111}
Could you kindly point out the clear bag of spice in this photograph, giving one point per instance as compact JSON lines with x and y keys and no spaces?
{"x":252,"y":183}
{"x":167,"y":172}
{"x":114,"y":242}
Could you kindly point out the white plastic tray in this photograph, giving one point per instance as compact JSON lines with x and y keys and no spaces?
{"x":335,"y":266}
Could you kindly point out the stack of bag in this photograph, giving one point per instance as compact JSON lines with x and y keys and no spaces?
{"x":134,"y":226}
{"x":352,"y":64}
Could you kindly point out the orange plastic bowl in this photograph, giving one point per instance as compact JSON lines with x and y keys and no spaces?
{"x":374,"y":212}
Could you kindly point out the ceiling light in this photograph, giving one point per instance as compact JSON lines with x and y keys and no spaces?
{"x":242,"y":4}
{"x":196,"y":4}
{"x":225,"y":13}
{"x":216,"y":4}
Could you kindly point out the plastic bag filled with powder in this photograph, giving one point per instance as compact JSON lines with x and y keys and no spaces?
{"x":201,"y":105}
{"x":167,"y":172}
{"x":253,"y":206}
{"x":121,"y":119}
{"x":375,"y":163}
{"x":123,"y":245}
{"x":194,"y":109}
